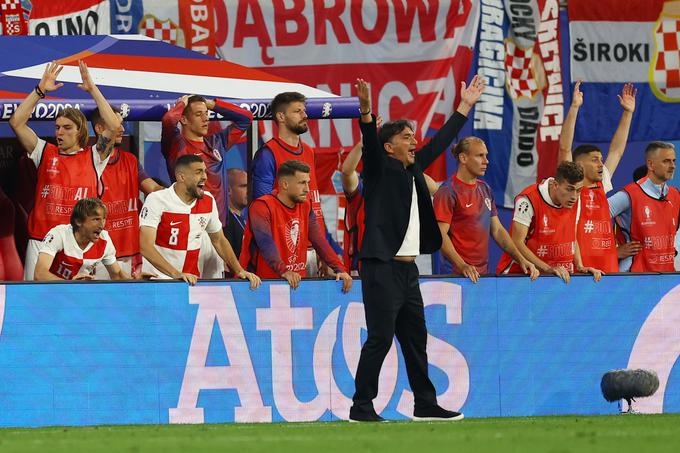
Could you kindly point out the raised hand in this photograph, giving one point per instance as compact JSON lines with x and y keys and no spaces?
{"x":87,"y":84}
{"x":577,"y":95}
{"x":49,"y":78}
{"x":364,"y":94}
{"x":471,"y":94}
{"x":627,"y":97}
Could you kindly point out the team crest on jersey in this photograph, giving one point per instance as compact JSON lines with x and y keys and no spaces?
{"x":292,"y":235}
{"x":202,"y":221}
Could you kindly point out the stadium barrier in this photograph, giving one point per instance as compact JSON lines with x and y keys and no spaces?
{"x":127,"y":353}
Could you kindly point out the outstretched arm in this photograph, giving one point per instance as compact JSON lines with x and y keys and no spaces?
{"x":111,"y":119}
{"x":442,"y":139}
{"x":19,"y":120}
{"x":350,"y":177}
{"x":620,"y":138}
{"x":569,"y":125}
{"x":373,"y":153}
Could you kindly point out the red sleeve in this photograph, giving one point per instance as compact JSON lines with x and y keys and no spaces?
{"x":170,"y":133}
{"x":259,"y":218}
{"x":241,"y":120}
{"x":318,"y":239}
{"x":444,"y":203}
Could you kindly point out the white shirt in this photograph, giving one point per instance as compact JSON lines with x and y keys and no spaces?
{"x":99,"y":165}
{"x":179,"y":227}
{"x":69,"y":259}
{"x":411,"y":243}
{"x":524,"y":211}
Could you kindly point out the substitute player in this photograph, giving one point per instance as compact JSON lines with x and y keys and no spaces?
{"x":173,"y":222}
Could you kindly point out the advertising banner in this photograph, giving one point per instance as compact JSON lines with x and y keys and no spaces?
{"x":120,"y":353}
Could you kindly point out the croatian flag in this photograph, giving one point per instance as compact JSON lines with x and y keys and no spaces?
{"x":520,"y":114}
{"x":613,"y":43}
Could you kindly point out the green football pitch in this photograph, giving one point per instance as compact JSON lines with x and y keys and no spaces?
{"x":614,"y":433}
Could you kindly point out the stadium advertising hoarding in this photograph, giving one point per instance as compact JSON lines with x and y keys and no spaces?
{"x":111,"y":353}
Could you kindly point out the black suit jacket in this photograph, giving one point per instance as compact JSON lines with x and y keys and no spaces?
{"x":388,"y":188}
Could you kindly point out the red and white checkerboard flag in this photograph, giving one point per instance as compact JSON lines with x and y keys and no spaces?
{"x":519,"y":73}
{"x":165,"y":30}
{"x":666,"y":60}
{"x":12,"y":21}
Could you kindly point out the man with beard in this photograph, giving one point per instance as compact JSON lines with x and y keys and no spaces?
{"x":290,"y":115}
{"x":649,"y":211}
{"x":173,"y":222}
{"x":208,"y":140}
{"x":71,"y":252}
{"x":67,"y":171}
{"x":279,"y":227}
{"x":544,"y":226}
{"x":466,"y":214}
{"x":120,"y":180}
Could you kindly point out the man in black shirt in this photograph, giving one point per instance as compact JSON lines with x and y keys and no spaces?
{"x":400,"y":224}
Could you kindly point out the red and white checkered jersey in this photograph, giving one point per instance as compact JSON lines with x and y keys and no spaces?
{"x":179,"y":226}
{"x":69,"y":259}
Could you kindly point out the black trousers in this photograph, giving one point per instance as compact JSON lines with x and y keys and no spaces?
{"x":393,"y":305}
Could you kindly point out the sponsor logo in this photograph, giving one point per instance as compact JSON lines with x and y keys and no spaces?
{"x":177,"y":222}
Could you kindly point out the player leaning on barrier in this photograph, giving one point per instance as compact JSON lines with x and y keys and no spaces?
{"x":400,"y":224}
{"x":280,"y":226}
{"x":67,"y":171}
{"x":466,"y":214}
{"x":173,"y":222}
{"x":71,"y":252}
{"x":544,"y":226}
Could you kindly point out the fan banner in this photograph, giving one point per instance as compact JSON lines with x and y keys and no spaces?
{"x":612,"y":44}
{"x":520,"y":114}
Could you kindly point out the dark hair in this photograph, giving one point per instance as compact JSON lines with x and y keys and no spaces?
{"x":640,"y":172}
{"x":464,"y":145}
{"x":84,"y":208}
{"x":80,"y":121}
{"x":653,"y":146}
{"x":583,"y":150}
{"x":290,"y":167}
{"x":389,"y":130}
{"x":282,"y":100}
{"x":96,"y":117}
{"x":569,"y":172}
{"x":190,"y":100}
{"x":186,"y":160}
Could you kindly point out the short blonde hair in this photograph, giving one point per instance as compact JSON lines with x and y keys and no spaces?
{"x":464,"y":145}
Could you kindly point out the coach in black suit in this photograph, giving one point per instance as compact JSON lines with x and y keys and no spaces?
{"x":400,"y":224}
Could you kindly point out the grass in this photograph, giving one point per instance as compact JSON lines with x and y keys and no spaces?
{"x":615,"y":433}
